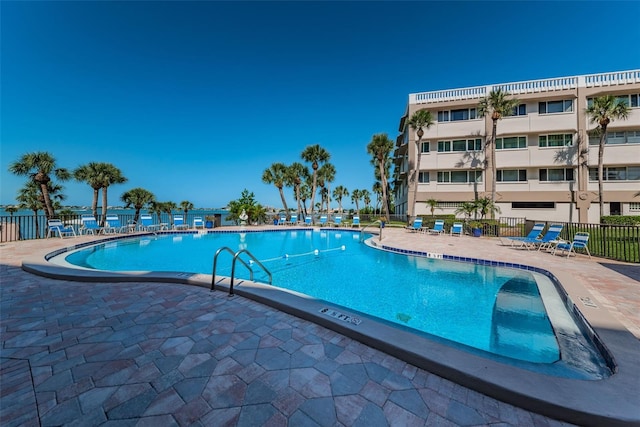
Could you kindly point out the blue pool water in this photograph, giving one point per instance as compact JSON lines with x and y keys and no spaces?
{"x":494,"y":309}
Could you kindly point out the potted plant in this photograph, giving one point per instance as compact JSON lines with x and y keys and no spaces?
{"x":209,"y":221}
{"x":476,"y":228}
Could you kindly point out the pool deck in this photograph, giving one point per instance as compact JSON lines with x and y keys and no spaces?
{"x":77,"y":352}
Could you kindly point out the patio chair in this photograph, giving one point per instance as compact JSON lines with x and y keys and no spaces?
{"x":282,"y":220}
{"x":355,"y":222}
{"x":113,"y":225}
{"x":337,"y":221}
{"x":438,"y":227}
{"x":146,"y":223}
{"x":456,"y":229}
{"x":323,"y":220}
{"x":580,"y":241}
{"x":533,"y":234}
{"x":546,"y":241}
{"x":56,"y":226}
{"x":308,"y":221}
{"x":198,"y":222}
{"x":89,"y":225}
{"x":178,"y":223}
{"x":416,"y":226}
{"x":293,"y":220}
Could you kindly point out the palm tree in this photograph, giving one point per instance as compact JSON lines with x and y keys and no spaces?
{"x":328,"y":174}
{"x":276,"y":174}
{"x":168,"y":207}
{"x":377,"y":190}
{"x":186,"y":206}
{"x":486,"y":206}
{"x":498,"y":106}
{"x":315,"y":155}
{"x":91,"y":174}
{"x":138,"y":198}
{"x":419,"y":120}
{"x":305,"y":194}
{"x":356,"y":195}
{"x":11,"y":210}
{"x":380,"y":148}
{"x":296,"y":173}
{"x":602,"y":111}
{"x":433,"y":204}
{"x":30,"y":197}
{"x":39,"y":166}
{"x":467,"y":209}
{"x":110,"y":175}
{"x":338,"y":193}
{"x":366,"y":197}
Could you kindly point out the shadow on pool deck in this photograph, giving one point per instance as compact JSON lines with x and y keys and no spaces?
{"x":216,"y":360}
{"x":631,"y":271}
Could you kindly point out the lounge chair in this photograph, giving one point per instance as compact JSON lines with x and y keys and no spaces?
{"x":56,"y":226}
{"x":438,"y":227}
{"x":323,"y":220}
{"x":89,"y":225}
{"x":355,"y":222}
{"x":416,"y":226}
{"x":308,"y":221}
{"x":456,"y":229}
{"x":546,"y":241}
{"x":533,"y":234}
{"x":282,"y":220}
{"x":293,"y":220}
{"x":178,"y":223}
{"x":198,"y":222}
{"x":113,"y":225}
{"x":337,"y":221}
{"x":580,"y":241}
{"x":146,"y":223}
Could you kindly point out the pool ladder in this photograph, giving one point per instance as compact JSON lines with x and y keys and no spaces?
{"x":377,"y":221}
{"x":236,"y":257}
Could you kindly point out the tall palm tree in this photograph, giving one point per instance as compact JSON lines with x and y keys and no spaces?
{"x":39,"y":166}
{"x":419,"y":120}
{"x":138,"y":198}
{"x":90,"y":173}
{"x":327,"y":173}
{"x":186,"y":206}
{"x":110,"y":175}
{"x":366,"y":197}
{"x":276,"y":174}
{"x":602,"y":111}
{"x":168,"y":207}
{"x":377,"y":190}
{"x":338,"y":193}
{"x":305,"y":194}
{"x":296,"y":173}
{"x":356,"y":195}
{"x":315,"y":155}
{"x":498,"y":106}
{"x":380,"y":148}
{"x":30,"y":197}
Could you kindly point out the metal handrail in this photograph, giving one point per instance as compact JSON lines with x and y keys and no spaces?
{"x":233,"y":266}
{"x":365,"y":227}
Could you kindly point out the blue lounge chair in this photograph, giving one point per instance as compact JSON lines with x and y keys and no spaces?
{"x":293,"y":220}
{"x":178,"y":223}
{"x":56,"y":226}
{"x":113,"y":225}
{"x":416,"y":226}
{"x":580,"y":241}
{"x":89,"y":225}
{"x":198,"y":222}
{"x":533,"y":234}
{"x":456,"y":229}
{"x":337,"y":221}
{"x":546,"y":241}
{"x":438,"y":227}
{"x":146,"y":223}
{"x":308,"y":221}
{"x":355,"y":222}
{"x":323,"y":220}
{"x":282,"y":220}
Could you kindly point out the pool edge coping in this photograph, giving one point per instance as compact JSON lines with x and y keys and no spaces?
{"x":585,"y":402}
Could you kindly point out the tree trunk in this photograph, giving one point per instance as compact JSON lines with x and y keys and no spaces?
{"x":284,"y":201}
{"x":603,"y":138}
{"x":492,"y":151}
{"x":313,"y":190}
{"x":298,"y":200}
{"x":416,"y":174}
{"x":383,"y":178}
{"x":94,"y":203}
{"x":104,"y":207}
{"x":47,"y":200}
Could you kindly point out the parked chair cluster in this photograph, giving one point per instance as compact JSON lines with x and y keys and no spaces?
{"x":551,"y":241}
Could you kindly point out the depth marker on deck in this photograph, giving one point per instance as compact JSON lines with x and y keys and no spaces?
{"x":340,"y":316}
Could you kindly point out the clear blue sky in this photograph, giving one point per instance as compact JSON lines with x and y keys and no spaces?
{"x":193,"y":100}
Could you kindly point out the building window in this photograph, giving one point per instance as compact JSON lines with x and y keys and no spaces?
{"x":460,"y":177}
{"x":533,"y":205}
{"x":634,"y":206}
{"x":630,"y":100}
{"x":424,"y":147}
{"x":460,"y":145}
{"x":556,"y":174}
{"x":629,"y":173}
{"x":550,"y":107}
{"x":520,"y":110}
{"x":512,"y":142}
{"x":621,"y":137}
{"x":555,"y":140}
{"x":511,"y":175}
{"x":457,"y":115}
{"x":423,"y":177}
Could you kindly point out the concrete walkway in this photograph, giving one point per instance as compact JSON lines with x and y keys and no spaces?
{"x":79,"y":353}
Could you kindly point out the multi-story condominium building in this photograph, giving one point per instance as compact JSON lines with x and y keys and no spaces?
{"x":546,"y":152}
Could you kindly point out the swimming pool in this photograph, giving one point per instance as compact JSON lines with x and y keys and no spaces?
{"x":502,"y":311}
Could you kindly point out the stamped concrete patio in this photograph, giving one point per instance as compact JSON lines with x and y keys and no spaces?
{"x":150,"y":353}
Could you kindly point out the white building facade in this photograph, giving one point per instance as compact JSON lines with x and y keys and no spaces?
{"x":546,"y":153}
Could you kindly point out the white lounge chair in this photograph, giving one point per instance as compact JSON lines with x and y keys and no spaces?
{"x":438,"y":227}
{"x":178,"y":223}
{"x":55,"y":226}
{"x":198,"y":222}
{"x":580,"y":241}
{"x":89,"y":225}
{"x":456,"y":229}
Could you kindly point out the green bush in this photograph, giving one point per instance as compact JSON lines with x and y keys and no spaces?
{"x":620,"y":220}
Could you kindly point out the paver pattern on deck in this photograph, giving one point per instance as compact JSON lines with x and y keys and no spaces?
{"x":140,"y":354}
